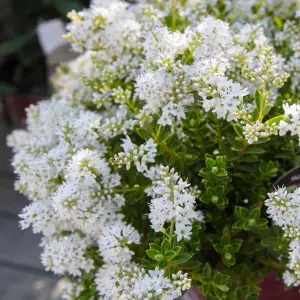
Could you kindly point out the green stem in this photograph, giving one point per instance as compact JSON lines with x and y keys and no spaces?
{"x":165,"y":146}
{"x":171,"y":231}
{"x":262,"y":105}
{"x":173,"y":11}
{"x":241,"y":154}
{"x":159,"y":130}
{"x":219,"y":135}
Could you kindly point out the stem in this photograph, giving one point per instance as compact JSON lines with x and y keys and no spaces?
{"x":219,"y":135}
{"x":171,"y":231}
{"x":165,"y":145}
{"x":262,"y":105}
{"x":159,"y":130}
{"x":173,"y":11}
{"x":241,"y":154}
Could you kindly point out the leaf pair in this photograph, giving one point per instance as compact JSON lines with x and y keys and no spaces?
{"x":249,"y":220}
{"x":164,"y":254}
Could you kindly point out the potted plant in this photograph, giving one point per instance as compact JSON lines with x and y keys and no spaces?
{"x":153,"y":169}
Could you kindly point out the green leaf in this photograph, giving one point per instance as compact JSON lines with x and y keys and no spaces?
{"x":177,"y":249}
{"x":228,"y":249}
{"x":257,"y":98}
{"x":162,"y":264}
{"x":255,"y":114}
{"x":278,"y":22}
{"x":190,"y":264}
{"x":155,"y":247}
{"x":84,"y":295}
{"x":278,"y":102}
{"x":218,"y":247}
{"x":165,"y":246}
{"x":255,"y":150}
{"x":238,"y":130}
{"x":14,"y":45}
{"x":249,"y":159}
{"x":170,"y":254}
{"x":220,"y":161}
{"x":262,"y":140}
{"x":228,"y":259}
{"x":255,"y":213}
{"x":218,"y":293}
{"x":269,"y":242}
{"x":261,"y":224}
{"x":218,"y":278}
{"x":210,"y":162}
{"x":238,"y":225}
{"x":233,"y":142}
{"x":277,"y":119}
{"x":207,"y":270}
{"x":236,"y":245}
{"x":242,"y":213}
{"x":266,"y":110}
{"x":223,"y":287}
{"x":143,"y":134}
{"x":225,"y":240}
{"x":182,"y":258}
{"x":205,"y":289}
{"x":153,"y":254}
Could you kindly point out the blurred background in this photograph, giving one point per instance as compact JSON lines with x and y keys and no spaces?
{"x":30,"y":47}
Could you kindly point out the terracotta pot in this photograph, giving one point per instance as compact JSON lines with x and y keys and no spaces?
{"x":14,"y":106}
{"x":273,"y":289}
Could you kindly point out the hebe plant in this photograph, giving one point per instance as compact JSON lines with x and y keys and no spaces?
{"x":149,"y":168}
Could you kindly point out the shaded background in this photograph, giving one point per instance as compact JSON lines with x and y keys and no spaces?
{"x":23,"y":80}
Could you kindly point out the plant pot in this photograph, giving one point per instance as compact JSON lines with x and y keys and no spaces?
{"x":275,"y":290}
{"x":14,"y":106}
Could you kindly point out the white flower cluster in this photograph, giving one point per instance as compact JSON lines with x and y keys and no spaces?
{"x":66,"y":254}
{"x":135,"y":283}
{"x":284,"y":209}
{"x":171,"y":202}
{"x":177,"y":64}
{"x":104,"y":26}
{"x":289,"y":123}
{"x":114,"y":240}
{"x":138,"y":155}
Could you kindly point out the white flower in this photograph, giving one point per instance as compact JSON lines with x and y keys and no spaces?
{"x":135,"y":283}
{"x":257,"y":130}
{"x":290,"y":279}
{"x":86,"y":165}
{"x":294,"y":257}
{"x":223,"y":96}
{"x":284,"y":207}
{"x":140,"y":156}
{"x":66,"y":254}
{"x":171,"y":202}
{"x":283,"y":128}
{"x":114,"y":240}
{"x":42,"y":218}
{"x":160,"y":44}
{"x":170,"y":111}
